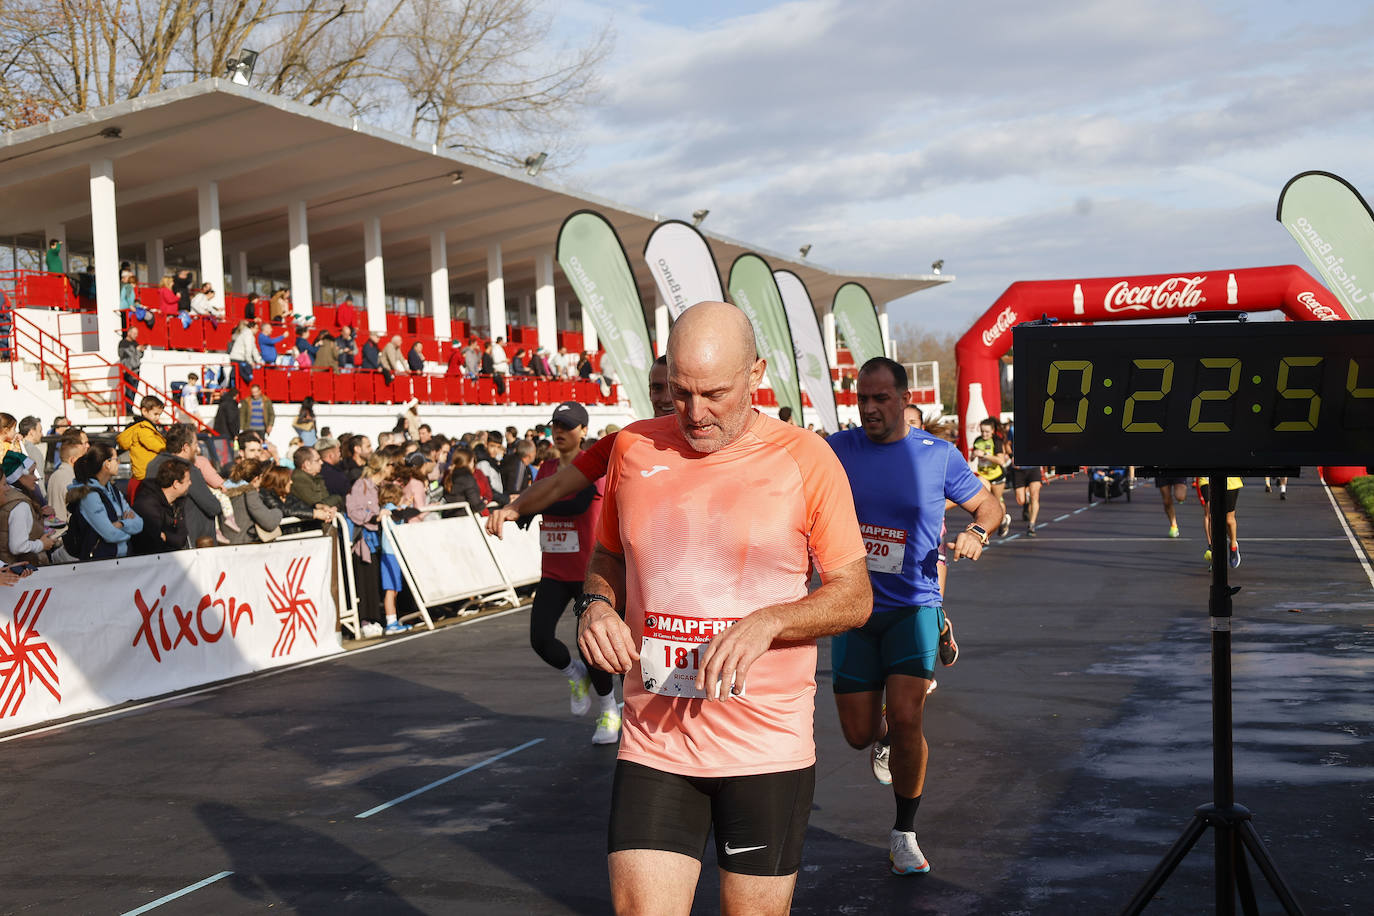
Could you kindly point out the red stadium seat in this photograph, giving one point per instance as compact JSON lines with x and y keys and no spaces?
{"x":424,"y":327}
{"x":191,"y":337}
{"x":298,"y":384}
{"x":322,"y":386}
{"x":273,"y":381}
{"x":484,"y":392}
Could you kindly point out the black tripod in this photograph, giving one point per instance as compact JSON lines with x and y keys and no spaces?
{"x":1235,"y":834}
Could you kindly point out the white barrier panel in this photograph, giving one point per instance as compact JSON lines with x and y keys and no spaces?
{"x":518,"y":551}
{"x":79,"y":638}
{"x":448,"y":559}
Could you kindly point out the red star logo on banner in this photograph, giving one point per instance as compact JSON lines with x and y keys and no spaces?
{"x":24,"y":656}
{"x":296,"y":612}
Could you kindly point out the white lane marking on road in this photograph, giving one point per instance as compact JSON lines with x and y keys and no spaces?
{"x":190,"y":888}
{"x":272,"y":672}
{"x":1081,"y":509}
{"x":1064,"y":516}
{"x":1349,"y":535}
{"x":449,"y":778}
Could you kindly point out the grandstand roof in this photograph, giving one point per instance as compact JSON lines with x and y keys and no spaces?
{"x":265,"y":151}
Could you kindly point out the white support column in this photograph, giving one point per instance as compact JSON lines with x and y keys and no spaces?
{"x":545,"y":309}
{"x":440,"y":306}
{"x":241,"y":273}
{"x":660,"y":321}
{"x":105,"y":241}
{"x":298,"y":237}
{"x":374,"y":274}
{"x":156,"y":256}
{"x":56,"y":231}
{"x":496,"y":291}
{"x":211,"y":242}
{"x":589,"y":340}
{"x":888,"y":345}
{"x":832,"y":350}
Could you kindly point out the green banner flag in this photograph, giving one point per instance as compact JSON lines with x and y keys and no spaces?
{"x":856,"y":321}
{"x":594,"y":261}
{"x":755,"y":291}
{"x":1335,"y":229}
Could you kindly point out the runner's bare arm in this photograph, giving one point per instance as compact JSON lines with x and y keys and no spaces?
{"x":843,"y":602}
{"x":540,"y":495}
{"x":987,"y":513}
{"x":602,"y":635}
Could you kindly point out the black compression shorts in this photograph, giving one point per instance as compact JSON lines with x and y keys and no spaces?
{"x":1024,"y":477}
{"x":760,"y":821}
{"x":1231,"y":496}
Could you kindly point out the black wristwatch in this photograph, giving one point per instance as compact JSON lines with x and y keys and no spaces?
{"x":586,"y":600}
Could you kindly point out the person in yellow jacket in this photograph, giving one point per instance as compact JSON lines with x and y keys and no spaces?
{"x":1233,"y":485}
{"x":142,"y":439}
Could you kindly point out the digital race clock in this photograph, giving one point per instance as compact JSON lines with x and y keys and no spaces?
{"x":1214,"y":395}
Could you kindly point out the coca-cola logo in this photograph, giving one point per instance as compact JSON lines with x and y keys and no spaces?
{"x":1005,"y":320}
{"x":1319,"y":311}
{"x":1173,"y":293}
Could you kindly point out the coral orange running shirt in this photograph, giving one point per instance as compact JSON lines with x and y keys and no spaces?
{"x":708,"y":539}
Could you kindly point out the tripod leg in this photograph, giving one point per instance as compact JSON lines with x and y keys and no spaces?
{"x":1191,"y":834}
{"x":1227,"y":849}
{"x":1251,"y":838}
{"x":1243,"y":883}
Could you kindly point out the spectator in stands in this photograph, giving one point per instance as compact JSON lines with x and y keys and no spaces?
{"x":70,"y":447}
{"x":517,"y":363}
{"x":307,"y":484}
{"x":584,"y":366}
{"x":515,"y":467}
{"x":454,"y":368}
{"x":142,"y":439}
{"x":267,"y":346}
{"x":364,"y":510}
{"x":348,"y":349}
{"x":256,"y":413}
{"x":280,"y":306}
{"x":85,"y":289}
{"x":190,"y":393}
{"x":395,"y":505}
{"x":10,"y":440}
{"x":128,"y":300}
{"x":302,"y":347}
{"x":326,"y":352}
{"x":227,"y":414}
{"x":53,"y":257}
{"x":101,"y":520}
{"x":304,"y":424}
{"x":345,"y":315}
{"x":250,"y":308}
{"x":472,"y":358}
{"x":201,"y":508}
{"x":423,"y":433}
{"x":459,"y":483}
{"x":203,"y":303}
{"x":275,"y":491}
{"x":336,"y":479}
{"x":31,"y":435}
{"x":489,"y":455}
{"x":393,"y":360}
{"x":372,"y":354}
{"x":253,"y":520}
{"x":355,"y":451}
{"x":243,"y":352}
{"x":415,"y":359}
{"x":159,"y":503}
{"x":22,"y":539}
{"x":167,"y":300}
{"x":500,"y":365}
{"x":181,"y":285}
{"x":131,"y":358}
{"x":539,"y":363}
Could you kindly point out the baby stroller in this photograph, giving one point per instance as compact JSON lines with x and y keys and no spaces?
{"x":1108,"y":484}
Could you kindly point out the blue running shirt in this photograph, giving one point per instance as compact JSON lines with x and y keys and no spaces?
{"x":899,"y":495}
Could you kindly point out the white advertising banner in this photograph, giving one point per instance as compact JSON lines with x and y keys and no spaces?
{"x":812,"y":365}
{"x":683,"y":266}
{"x":79,"y":638}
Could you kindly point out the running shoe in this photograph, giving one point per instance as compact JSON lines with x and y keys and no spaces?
{"x":396,"y":627}
{"x":1283,"y":494}
{"x":1235,"y":557}
{"x":1030,"y":531}
{"x":1005,"y":527}
{"x":933,"y":684}
{"x":880,"y":758}
{"x":905,"y":854}
{"x":607,"y":728}
{"x":1173,"y":531}
{"x":1266,"y":486}
{"x":1207,"y":554}
{"x":949,"y":649}
{"x":580,"y":692}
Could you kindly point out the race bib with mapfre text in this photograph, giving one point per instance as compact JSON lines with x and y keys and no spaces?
{"x":886,"y":548}
{"x":671,"y":650}
{"x":558,"y":536}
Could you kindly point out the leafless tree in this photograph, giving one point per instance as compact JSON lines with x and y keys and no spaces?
{"x":916,"y":346}
{"x":478,"y":74}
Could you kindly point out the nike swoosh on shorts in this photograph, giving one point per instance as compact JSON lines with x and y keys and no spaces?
{"x":737,"y":851}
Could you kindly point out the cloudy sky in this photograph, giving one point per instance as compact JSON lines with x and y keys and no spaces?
{"x":1014,"y":140}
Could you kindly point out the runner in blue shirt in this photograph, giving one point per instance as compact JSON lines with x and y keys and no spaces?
{"x":901,"y":478}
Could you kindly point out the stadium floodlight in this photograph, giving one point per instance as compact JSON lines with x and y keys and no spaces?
{"x":534,"y":163}
{"x":805,"y":250}
{"x":240,"y":69}
{"x":937,"y":266}
{"x":699,"y":215}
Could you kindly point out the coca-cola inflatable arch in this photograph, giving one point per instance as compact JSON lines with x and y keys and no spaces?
{"x":1253,"y":289}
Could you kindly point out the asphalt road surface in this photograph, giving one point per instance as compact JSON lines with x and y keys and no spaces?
{"x":1069,"y":746}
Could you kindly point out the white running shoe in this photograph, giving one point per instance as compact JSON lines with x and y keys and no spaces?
{"x":1004,"y":528}
{"x":607,"y":728}
{"x":879,"y":757}
{"x":905,"y":854}
{"x":580,"y":691}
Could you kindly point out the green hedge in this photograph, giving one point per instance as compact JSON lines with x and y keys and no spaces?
{"x":1362,"y":488}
